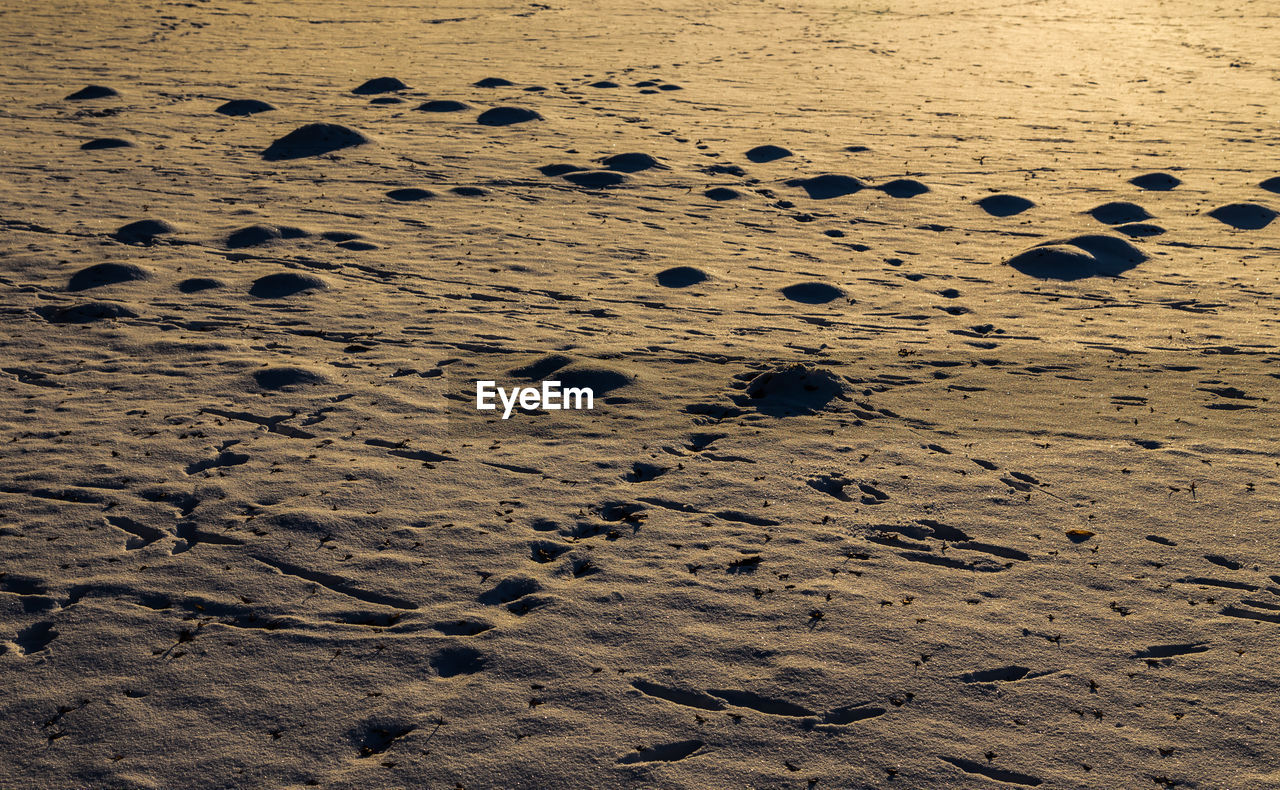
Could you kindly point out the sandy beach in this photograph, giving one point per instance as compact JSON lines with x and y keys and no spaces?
{"x":934,"y":361}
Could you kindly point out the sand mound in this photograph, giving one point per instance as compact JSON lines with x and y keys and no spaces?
{"x":559,"y":169}
{"x":492,"y":82}
{"x":410,"y":194}
{"x":631,"y":163}
{"x":313,"y":139}
{"x":767,"y":153}
{"x":92,"y":92}
{"x":1140,"y":230}
{"x":812,"y":293}
{"x":1156,"y":182}
{"x":506,"y":116}
{"x":104,"y":143}
{"x":193,"y":285}
{"x":102,"y":274}
{"x":285,"y":376}
{"x":595,"y":179}
{"x":1004,"y":205}
{"x":144,"y":231}
{"x":1244,"y":216}
{"x":604,"y":84}
{"x":599,"y":379}
{"x":1078,"y":258}
{"x":1118,"y":213}
{"x":442,"y":105}
{"x":681,"y":277}
{"x":340,"y":235}
{"x":722,"y":193}
{"x":903,"y":188}
{"x":572,"y":373}
{"x":379,"y":85}
{"x":826,"y":187}
{"x":542,"y":367}
{"x":469,"y":191}
{"x":85,"y":313}
{"x":282,"y":284}
{"x":243,"y":107}
{"x":1271,"y":184}
{"x":794,"y":389}
{"x":257,"y":235}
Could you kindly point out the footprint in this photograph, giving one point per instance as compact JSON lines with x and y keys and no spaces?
{"x":667,"y":752}
{"x":458,"y":660}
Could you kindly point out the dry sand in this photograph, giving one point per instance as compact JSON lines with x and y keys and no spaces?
{"x":934,"y":346}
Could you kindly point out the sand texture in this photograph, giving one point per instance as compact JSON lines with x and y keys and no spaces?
{"x":934,"y":346}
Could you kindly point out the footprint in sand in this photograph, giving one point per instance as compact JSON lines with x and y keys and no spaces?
{"x":86,"y":313}
{"x":286,"y":377}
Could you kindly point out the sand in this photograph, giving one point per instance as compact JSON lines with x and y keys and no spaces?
{"x":935,"y":367}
